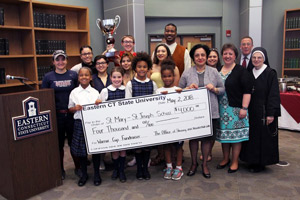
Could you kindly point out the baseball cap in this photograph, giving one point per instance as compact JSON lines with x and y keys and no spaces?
{"x":59,"y":53}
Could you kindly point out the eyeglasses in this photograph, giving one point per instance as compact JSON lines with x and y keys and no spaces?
{"x":101,"y":63}
{"x":86,"y":54}
{"x":213,"y":49}
{"x":128,"y":42}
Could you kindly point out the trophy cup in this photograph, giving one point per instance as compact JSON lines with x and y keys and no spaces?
{"x":108,"y":27}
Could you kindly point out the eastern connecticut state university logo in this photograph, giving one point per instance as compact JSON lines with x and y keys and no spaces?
{"x":32,"y":122}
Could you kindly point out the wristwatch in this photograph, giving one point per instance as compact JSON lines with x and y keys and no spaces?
{"x":244,"y":108}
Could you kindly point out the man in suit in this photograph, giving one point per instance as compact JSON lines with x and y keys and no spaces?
{"x":246,"y":48}
{"x":179,"y":53}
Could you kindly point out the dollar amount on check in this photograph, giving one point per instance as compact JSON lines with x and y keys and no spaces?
{"x":146,"y":121}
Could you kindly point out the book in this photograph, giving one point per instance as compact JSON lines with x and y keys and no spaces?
{"x":6,"y":50}
{"x":1,"y":16}
{"x":63,"y":21}
{"x":2,"y":76}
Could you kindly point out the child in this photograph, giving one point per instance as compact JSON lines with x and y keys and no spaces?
{"x":116,"y":91}
{"x":141,"y":85}
{"x":168,"y":77}
{"x":83,"y":94}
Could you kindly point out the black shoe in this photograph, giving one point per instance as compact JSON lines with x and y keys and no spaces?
{"x":232,"y":170}
{"x":205,"y":175}
{"x":82,"y":181}
{"x":97,"y":180}
{"x":122,"y":177}
{"x":146,"y":174}
{"x":115,"y":175}
{"x":63,"y":175}
{"x":139,"y":175}
{"x":78,"y":172}
{"x":256,"y":168}
{"x":223,"y":166}
{"x":192,"y":171}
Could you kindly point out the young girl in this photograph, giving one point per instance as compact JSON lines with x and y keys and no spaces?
{"x":168,"y":77}
{"x":83,"y":94}
{"x":141,"y":85}
{"x":116,"y":91}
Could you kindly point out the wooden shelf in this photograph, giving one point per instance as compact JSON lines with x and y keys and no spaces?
{"x":293,"y":29}
{"x":61,"y":30}
{"x":292,"y":49}
{"x":57,"y":6}
{"x":292,"y":69}
{"x":19,"y":29}
{"x":15,"y":27}
{"x":16,"y":83}
{"x":17,"y":56}
{"x":291,"y":57}
{"x":50,"y":55}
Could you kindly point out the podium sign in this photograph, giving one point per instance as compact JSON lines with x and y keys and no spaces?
{"x":32,"y":122}
{"x":32,"y":165}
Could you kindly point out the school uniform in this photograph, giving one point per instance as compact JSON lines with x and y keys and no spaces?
{"x":112,"y":93}
{"x":81,"y":96}
{"x":107,"y":94}
{"x":135,"y":88}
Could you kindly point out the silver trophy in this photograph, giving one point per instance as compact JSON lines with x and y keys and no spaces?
{"x":108,"y":27}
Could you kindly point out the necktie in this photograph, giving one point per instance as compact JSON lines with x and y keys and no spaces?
{"x":244,"y":64}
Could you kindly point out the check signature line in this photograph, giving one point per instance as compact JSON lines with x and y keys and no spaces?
{"x":167,"y":119}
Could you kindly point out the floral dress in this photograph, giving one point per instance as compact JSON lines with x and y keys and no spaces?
{"x":232,"y":129}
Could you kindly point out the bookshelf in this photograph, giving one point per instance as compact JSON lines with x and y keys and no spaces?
{"x":291,"y":44}
{"x":22,"y":33}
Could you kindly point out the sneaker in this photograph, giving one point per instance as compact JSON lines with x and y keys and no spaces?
{"x":168,"y":173}
{"x":177,"y":174}
{"x":132,"y":162}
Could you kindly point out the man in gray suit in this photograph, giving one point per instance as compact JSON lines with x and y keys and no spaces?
{"x":246,"y":48}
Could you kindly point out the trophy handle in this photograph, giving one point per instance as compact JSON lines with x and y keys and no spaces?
{"x":117,"y":21}
{"x":97,"y":23}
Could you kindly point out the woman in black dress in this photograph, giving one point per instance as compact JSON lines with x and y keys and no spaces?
{"x":264,"y":109}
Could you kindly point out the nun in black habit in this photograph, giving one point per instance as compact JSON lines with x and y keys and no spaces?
{"x":264,"y":109}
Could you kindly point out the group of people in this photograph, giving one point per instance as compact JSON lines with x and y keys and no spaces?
{"x":244,"y":98}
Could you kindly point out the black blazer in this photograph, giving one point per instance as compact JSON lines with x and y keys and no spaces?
{"x":249,"y":67}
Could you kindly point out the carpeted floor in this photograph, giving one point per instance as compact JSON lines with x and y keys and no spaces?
{"x":275,"y":182}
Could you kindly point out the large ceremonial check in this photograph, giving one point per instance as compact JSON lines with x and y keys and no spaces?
{"x":146,"y":121}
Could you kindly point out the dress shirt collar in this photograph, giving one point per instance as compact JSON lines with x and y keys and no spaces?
{"x":112,"y":88}
{"x":88,"y":88}
{"x":145,"y":81}
{"x":172,"y":46}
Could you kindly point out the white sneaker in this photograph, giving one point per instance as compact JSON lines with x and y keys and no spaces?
{"x":132,"y":162}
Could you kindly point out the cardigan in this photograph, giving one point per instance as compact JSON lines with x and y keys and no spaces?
{"x":238,"y":83}
{"x":212,"y":76}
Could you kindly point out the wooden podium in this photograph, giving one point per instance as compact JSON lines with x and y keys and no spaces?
{"x":29,"y":165}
